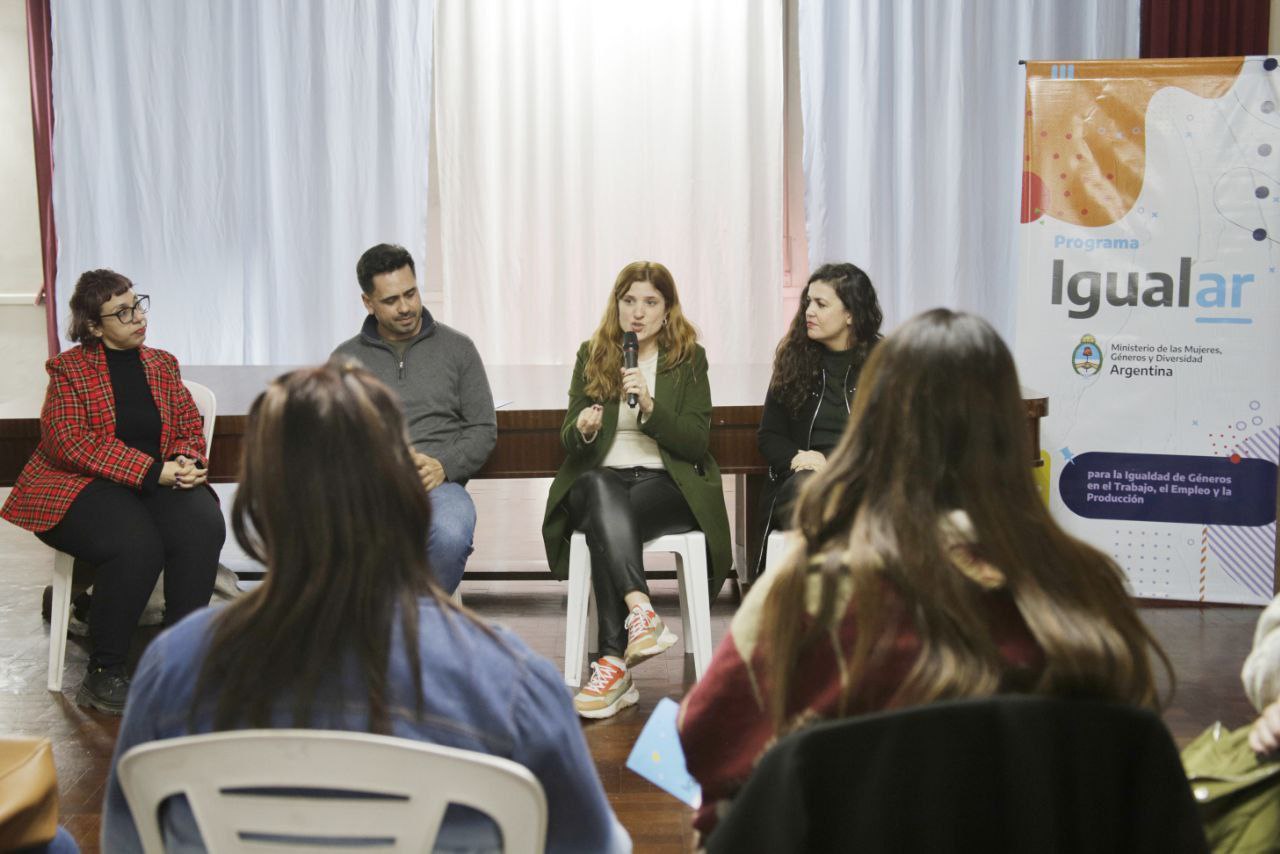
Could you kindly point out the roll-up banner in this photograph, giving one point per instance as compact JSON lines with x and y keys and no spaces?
{"x":1149,"y":313}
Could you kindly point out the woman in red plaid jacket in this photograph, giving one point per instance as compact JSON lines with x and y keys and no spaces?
{"x":118,"y":478}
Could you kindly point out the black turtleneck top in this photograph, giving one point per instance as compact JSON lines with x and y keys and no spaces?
{"x":137,"y":418}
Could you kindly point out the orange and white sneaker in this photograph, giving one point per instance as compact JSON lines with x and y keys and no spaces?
{"x":609,"y":690}
{"x":647,"y":635}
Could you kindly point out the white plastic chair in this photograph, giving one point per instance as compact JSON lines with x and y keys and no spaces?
{"x":695,"y":600}
{"x":207,"y":404}
{"x":63,"y":563}
{"x":411,"y":784}
{"x":780,"y":545}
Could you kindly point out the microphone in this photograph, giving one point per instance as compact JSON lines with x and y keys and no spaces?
{"x":630,"y":355}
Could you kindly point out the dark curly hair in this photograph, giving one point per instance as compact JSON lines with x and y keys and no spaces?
{"x":93,"y":289}
{"x":798,"y":360}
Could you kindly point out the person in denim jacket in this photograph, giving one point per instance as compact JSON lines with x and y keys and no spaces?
{"x":349,"y":630}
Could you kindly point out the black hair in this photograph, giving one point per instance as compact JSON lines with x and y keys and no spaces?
{"x":383,"y":258}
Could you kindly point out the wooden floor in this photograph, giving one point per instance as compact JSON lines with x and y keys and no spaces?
{"x":1207,"y":645}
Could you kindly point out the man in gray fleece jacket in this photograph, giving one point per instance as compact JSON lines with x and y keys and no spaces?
{"x":441,"y":382}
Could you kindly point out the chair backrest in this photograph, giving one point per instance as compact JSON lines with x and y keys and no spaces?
{"x":1012,"y":773}
{"x":207,"y":403}
{"x":255,"y":782}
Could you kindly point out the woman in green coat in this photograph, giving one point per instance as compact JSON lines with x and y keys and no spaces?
{"x":634,"y":472}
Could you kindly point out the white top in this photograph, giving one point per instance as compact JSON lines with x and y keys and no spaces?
{"x":1261,"y":672}
{"x":631,"y":448}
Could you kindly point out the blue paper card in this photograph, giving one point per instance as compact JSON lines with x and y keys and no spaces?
{"x":658,"y":757}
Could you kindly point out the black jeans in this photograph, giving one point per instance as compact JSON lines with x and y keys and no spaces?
{"x":618,"y":510}
{"x":130,"y":537}
{"x":785,"y":501}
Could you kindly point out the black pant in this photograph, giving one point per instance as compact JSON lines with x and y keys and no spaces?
{"x":785,"y":501}
{"x":618,"y":510}
{"x":130,"y":537}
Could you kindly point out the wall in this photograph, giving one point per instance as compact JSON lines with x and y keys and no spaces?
{"x":22,"y":340}
{"x":19,"y":223}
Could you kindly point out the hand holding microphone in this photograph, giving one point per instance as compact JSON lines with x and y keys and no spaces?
{"x":633,"y":381}
{"x":630,"y":358}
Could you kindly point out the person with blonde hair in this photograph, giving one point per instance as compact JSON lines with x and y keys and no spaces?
{"x":928,"y":569}
{"x":634,"y":472}
{"x":350,"y":629}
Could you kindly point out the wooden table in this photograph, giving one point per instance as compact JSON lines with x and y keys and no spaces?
{"x":531,"y":401}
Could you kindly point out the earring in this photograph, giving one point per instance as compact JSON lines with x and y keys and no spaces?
{"x":664,"y":321}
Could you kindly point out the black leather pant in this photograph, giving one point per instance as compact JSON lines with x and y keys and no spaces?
{"x":618,"y":510}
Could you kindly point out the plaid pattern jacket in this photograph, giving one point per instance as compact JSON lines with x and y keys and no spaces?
{"x":78,"y":434}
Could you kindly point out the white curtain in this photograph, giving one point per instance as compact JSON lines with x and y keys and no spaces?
{"x":913,"y":117}
{"x":575,"y":136}
{"x":234,"y":157}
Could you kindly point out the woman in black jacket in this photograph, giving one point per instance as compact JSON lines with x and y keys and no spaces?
{"x":815,"y":373}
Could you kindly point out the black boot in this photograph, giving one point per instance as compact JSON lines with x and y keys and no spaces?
{"x":105,"y":689}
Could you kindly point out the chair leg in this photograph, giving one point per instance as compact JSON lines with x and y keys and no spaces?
{"x":59,"y":616}
{"x":682,"y":579}
{"x":593,"y":625}
{"x":699,"y":605}
{"x":575,"y":628}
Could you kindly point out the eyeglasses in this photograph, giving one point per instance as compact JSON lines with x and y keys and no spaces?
{"x":129,"y":313}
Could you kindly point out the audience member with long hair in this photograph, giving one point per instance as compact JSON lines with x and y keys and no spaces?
{"x":634,"y":473}
{"x":349,"y":629}
{"x":815,"y":375}
{"x":929,"y":569}
{"x":118,"y":479}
